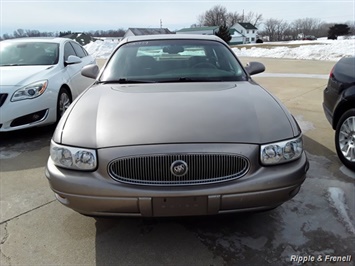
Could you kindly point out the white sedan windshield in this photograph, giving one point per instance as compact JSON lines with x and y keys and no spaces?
{"x":29,"y":53}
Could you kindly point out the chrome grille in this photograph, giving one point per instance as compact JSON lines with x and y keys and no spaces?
{"x":155,"y":169}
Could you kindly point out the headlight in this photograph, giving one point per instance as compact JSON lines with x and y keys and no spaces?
{"x":30,"y":91}
{"x":73,"y":158}
{"x":281,"y":152}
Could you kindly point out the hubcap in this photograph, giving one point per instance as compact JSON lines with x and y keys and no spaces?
{"x":347,"y":138}
{"x":64,"y":102}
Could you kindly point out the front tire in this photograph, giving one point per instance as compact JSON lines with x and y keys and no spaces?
{"x":345,"y":139}
{"x":63,"y":102}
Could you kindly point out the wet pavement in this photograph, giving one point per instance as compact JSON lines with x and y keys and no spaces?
{"x":317,"y":225}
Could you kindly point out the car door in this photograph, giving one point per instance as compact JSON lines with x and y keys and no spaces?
{"x":77,"y":82}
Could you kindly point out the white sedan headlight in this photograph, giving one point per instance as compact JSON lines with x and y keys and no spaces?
{"x":73,"y":158}
{"x":30,"y":91}
{"x":281,"y":152}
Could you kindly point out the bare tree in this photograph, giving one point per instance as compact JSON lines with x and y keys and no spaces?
{"x":7,"y":36}
{"x":282,"y":31}
{"x":351,"y":25}
{"x":219,"y":16}
{"x":19,"y":33}
{"x":233,"y":18}
{"x":253,"y":18}
{"x":270,"y":29}
{"x":33,"y":33}
{"x":323,"y":28}
{"x":307,"y":26}
{"x":275,"y":29}
{"x":216,"y":16}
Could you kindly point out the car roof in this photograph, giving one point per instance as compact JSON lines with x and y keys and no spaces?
{"x":172,"y":37}
{"x":39,"y":39}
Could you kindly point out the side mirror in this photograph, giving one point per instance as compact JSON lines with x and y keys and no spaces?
{"x":90,"y":71}
{"x":72,"y":59}
{"x":254,"y":68}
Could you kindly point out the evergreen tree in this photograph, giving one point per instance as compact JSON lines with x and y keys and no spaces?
{"x":338,"y":30}
{"x":223,"y":33}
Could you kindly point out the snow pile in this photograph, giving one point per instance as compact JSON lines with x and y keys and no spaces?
{"x":101,"y":49}
{"x":329,"y":50}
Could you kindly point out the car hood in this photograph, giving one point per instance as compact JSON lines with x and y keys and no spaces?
{"x":22,"y":75}
{"x":117,"y":115}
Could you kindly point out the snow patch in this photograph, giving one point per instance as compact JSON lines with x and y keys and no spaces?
{"x":101,"y":49}
{"x":337,"y":201}
{"x":329,"y":50}
{"x":304,"y":125}
{"x":8,"y":154}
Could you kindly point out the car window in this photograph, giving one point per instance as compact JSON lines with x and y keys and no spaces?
{"x":68,"y":50}
{"x":85,"y":52}
{"x":78,"y":49}
{"x":28,"y":53}
{"x":173,"y":60}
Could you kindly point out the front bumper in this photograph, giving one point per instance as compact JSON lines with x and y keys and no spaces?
{"x":27,"y":113}
{"x":96,"y":193}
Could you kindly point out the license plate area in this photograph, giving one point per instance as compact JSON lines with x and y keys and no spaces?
{"x":179,"y":206}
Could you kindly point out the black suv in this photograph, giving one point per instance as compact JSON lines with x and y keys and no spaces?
{"x":339,"y":108}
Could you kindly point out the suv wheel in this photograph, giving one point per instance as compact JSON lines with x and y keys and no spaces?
{"x":345,"y":139}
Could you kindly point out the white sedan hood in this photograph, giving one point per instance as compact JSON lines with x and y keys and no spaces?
{"x":22,"y":75}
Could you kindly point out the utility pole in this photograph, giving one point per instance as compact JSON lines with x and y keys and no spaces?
{"x":161,"y":23}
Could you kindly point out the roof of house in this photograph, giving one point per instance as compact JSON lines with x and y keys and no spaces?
{"x":198,"y":29}
{"x":234,"y":32}
{"x":247,"y":26}
{"x":149,"y":31}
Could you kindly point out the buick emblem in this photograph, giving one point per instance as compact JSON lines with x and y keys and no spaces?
{"x":178,"y":168}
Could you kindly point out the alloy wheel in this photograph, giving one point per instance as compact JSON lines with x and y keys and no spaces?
{"x":347,"y":138}
{"x":64,"y":102}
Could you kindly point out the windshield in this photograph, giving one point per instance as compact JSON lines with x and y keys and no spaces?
{"x":28,"y":53}
{"x":172,"y":61}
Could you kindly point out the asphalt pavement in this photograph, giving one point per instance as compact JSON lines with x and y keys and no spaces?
{"x":318,"y":225}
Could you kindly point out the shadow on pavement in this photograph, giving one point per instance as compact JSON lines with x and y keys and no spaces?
{"x":210,"y":240}
{"x":25,"y":149}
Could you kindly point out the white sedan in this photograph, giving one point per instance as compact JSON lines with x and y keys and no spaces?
{"x":40,"y":77}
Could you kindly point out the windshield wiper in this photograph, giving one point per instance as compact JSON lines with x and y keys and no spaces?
{"x":127,"y":81}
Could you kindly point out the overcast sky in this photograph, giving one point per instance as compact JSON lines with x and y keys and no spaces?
{"x":80,"y":15}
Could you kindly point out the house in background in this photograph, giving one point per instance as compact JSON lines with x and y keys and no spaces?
{"x":199,"y":30}
{"x":146,"y":31}
{"x":237,"y":37}
{"x":248,"y":30}
{"x":240,"y":32}
{"x":112,"y":39}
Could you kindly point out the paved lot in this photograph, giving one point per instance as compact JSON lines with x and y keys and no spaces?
{"x":319,"y":221}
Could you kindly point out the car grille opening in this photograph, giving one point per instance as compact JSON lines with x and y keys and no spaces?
{"x":30,"y":118}
{"x":158,"y":169}
{"x":3,"y":97}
